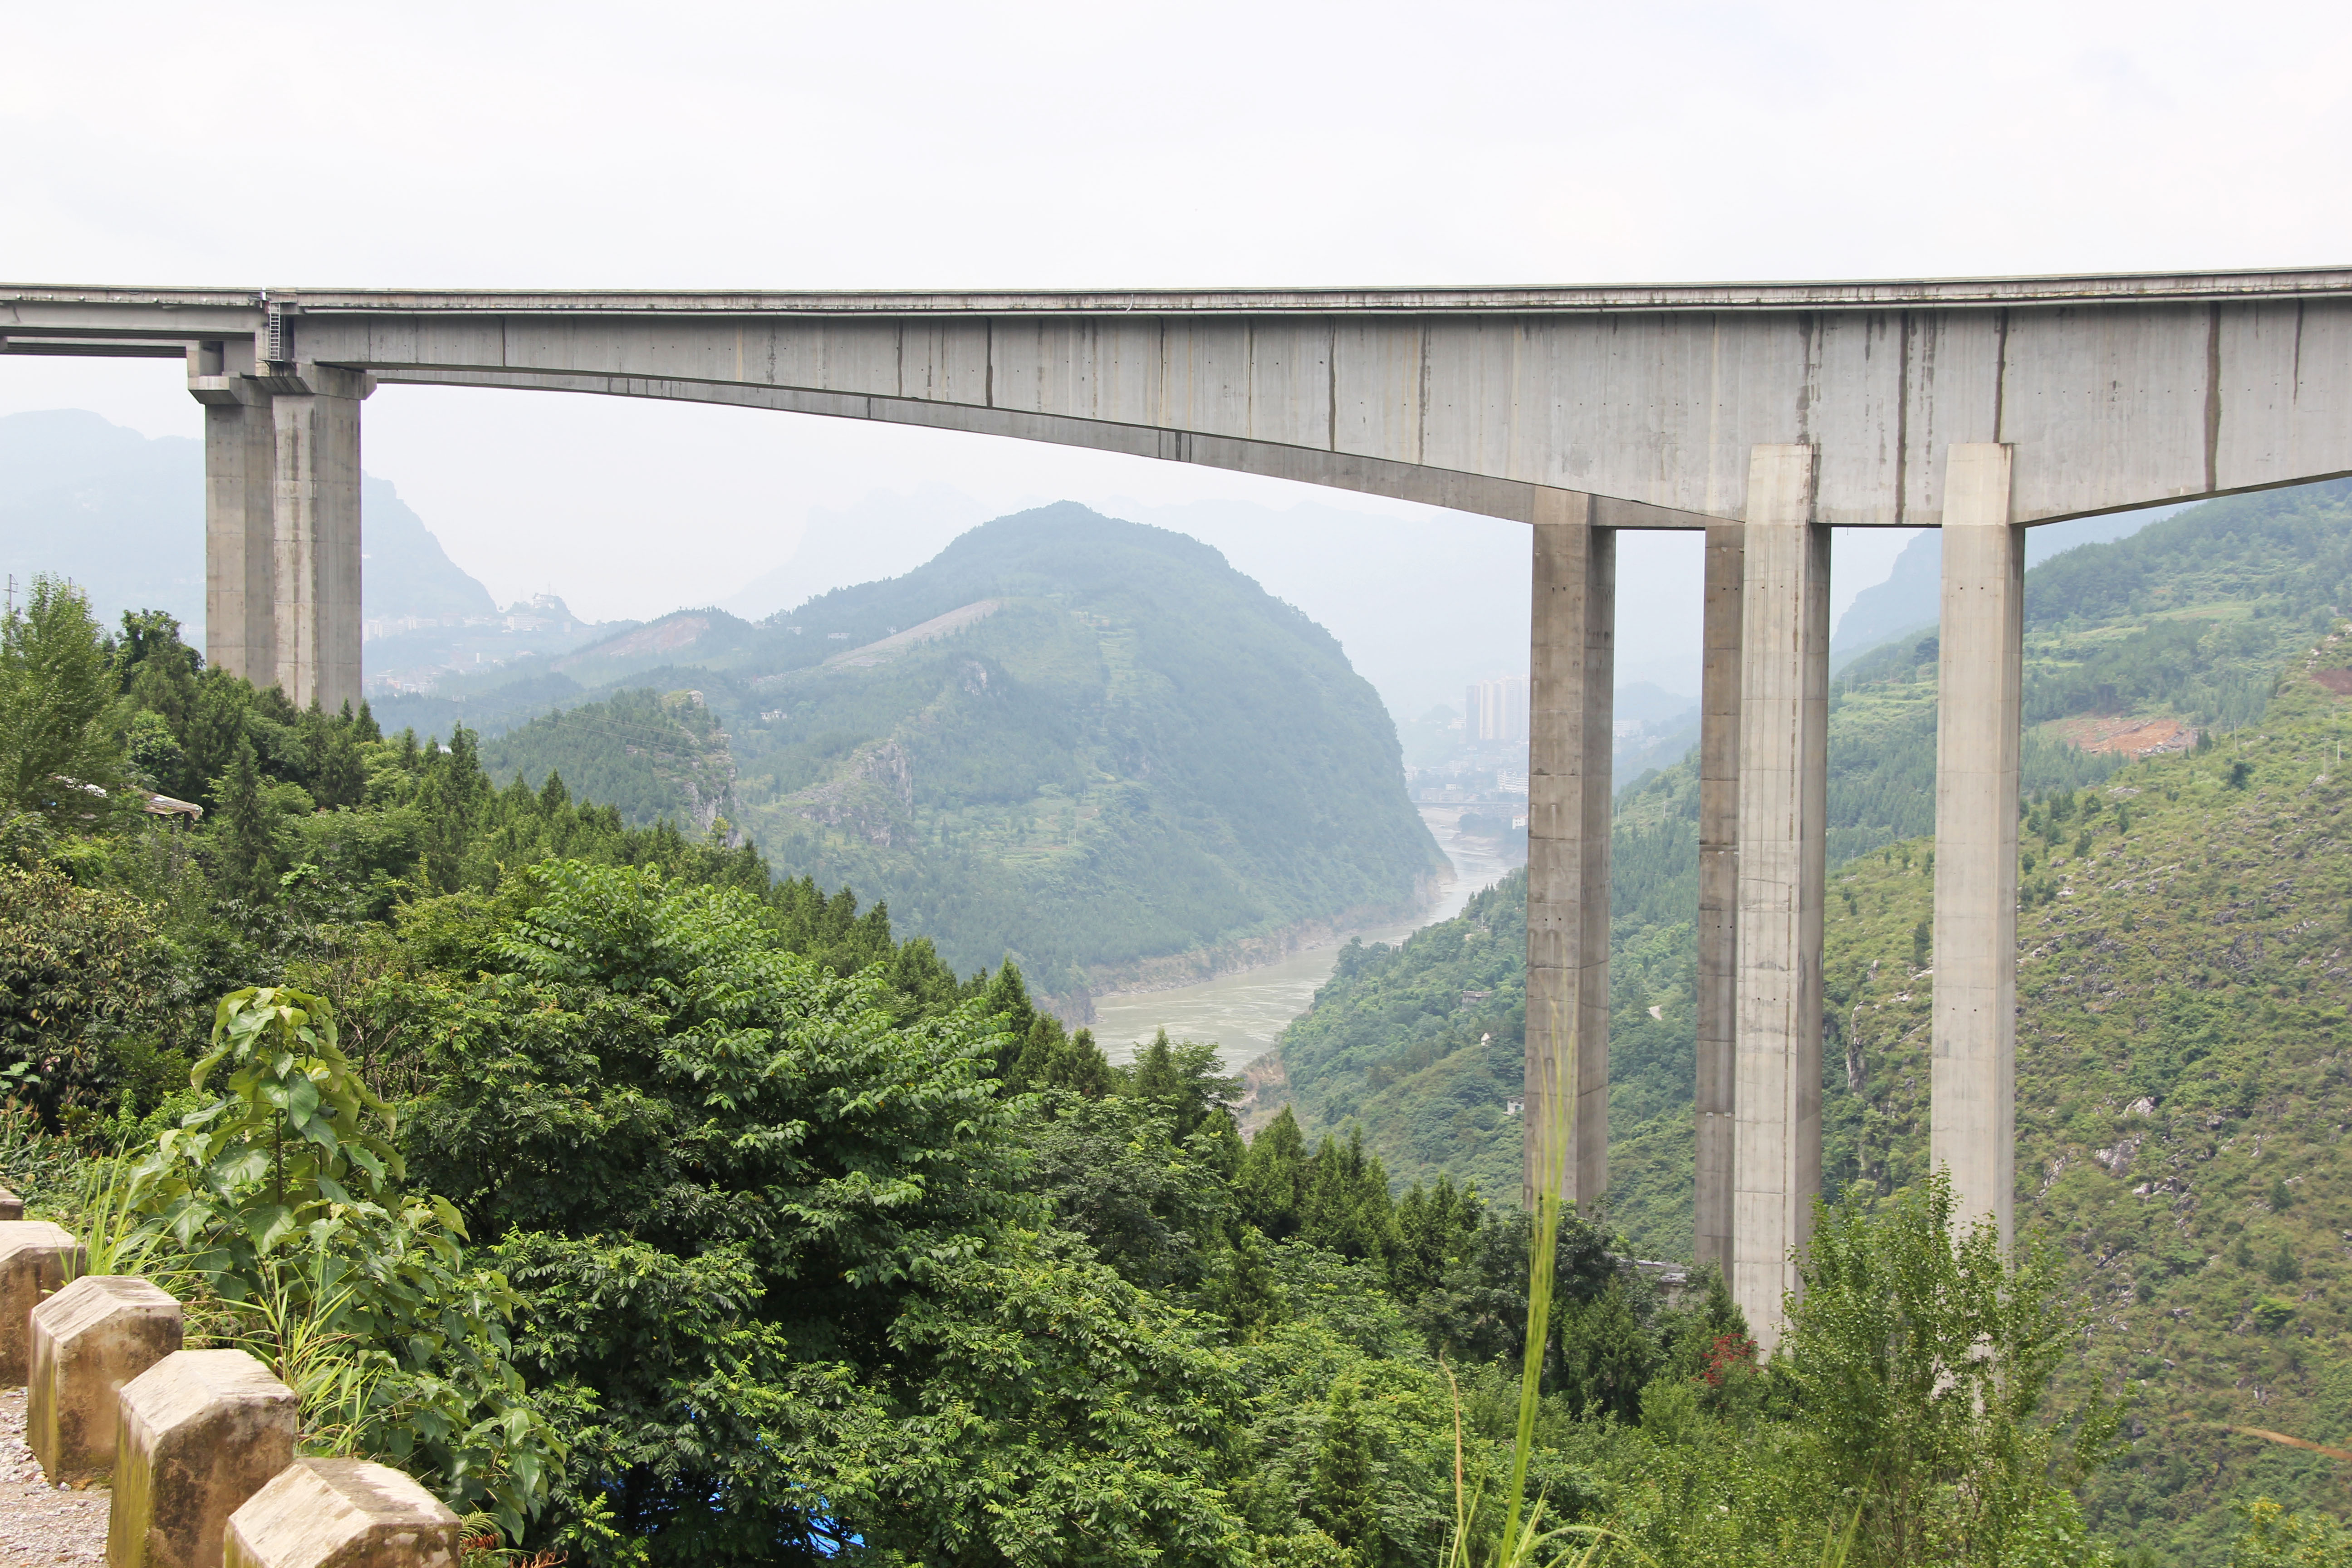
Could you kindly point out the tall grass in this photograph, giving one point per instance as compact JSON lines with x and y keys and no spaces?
{"x":1527,"y":1541}
{"x":114,"y":1236}
{"x":1543,"y":1263}
{"x":294,"y":1324}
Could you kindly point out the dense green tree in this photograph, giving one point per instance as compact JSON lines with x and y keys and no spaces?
{"x":57,"y":758}
{"x":245,"y":827}
{"x":285,"y":1195}
{"x":1040,"y":1052}
{"x":1436,"y":1228}
{"x":646,"y":1066}
{"x":452,"y":794}
{"x":2276,"y":1538}
{"x":1349,"y":1209}
{"x":1607,"y":1355}
{"x":1271,"y":1184}
{"x":1182,"y":1081}
{"x":86,"y":988}
{"x":1919,"y":1359}
{"x":1344,"y":1498}
{"x":1148,"y":1201}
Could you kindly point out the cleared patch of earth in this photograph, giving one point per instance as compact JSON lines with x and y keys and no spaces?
{"x":42,"y":1526}
{"x":2132,"y":737}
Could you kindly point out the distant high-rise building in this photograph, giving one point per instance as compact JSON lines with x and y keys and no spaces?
{"x":1495,"y":710}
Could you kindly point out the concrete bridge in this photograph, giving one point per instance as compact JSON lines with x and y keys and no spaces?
{"x":1763,"y":414}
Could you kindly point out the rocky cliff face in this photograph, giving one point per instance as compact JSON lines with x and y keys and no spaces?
{"x":874,"y":801}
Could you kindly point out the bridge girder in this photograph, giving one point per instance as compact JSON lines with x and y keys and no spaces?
{"x":2113,"y":392}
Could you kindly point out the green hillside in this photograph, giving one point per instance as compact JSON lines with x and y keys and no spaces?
{"x":2183,"y":945}
{"x":1090,"y":744}
{"x":654,"y":757}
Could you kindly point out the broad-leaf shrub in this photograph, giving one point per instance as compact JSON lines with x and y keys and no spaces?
{"x":795,"y":1243}
{"x":1918,"y":1358}
{"x":284,"y":1196}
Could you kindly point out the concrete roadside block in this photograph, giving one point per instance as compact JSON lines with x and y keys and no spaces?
{"x":88,"y":1340}
{"x":342,"y":1513}
{"x":11,"y":1206}
{"x":35,"y":1257}
{"x":198,"y":1433}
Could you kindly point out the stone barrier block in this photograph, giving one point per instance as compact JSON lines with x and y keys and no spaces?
{"x":197,"y":1434}
{"x":88,"y":1340}
{"x":11,"y":1206}
{"x":36,"y":1260}
{"x":343,"y":1513}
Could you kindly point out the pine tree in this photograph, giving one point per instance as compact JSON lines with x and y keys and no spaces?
{"x":249,"y":851}
{"x":215,"y":727}
{"x":339,"y":778}
{"x":1042,"y":1053}
{"x":1435,"y":1228}
{"x":1347,"y":1206}
{"x":450,"y":798}
{"x":1242,"y":1288}
{"x":1184,"y":1081}
{"x":1270,"y":1189}
{"x":158,"y":673}
{"x":1606,"y":1354}
{"x":1345,"y":1498}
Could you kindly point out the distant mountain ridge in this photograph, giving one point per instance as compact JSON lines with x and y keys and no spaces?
{"x":1911,"y":598}
{"x":122,"y":515}
{"x":119,"y":514}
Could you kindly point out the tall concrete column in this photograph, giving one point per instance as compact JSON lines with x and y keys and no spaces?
{"x":240,"y":442}
{"x":316,"y":518}
{"x":1719,"y":895}
{"x":1571,"y":673}
{"x":1783,"y":810}
{"x":1980,"y":669}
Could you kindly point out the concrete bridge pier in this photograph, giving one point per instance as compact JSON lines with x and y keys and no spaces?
{"x":1570,"y":695}
{"x":1719,"y":896}
{"x":282,"y":603}
{"x":1783,"y":819}
{"x":1972,"y":1087}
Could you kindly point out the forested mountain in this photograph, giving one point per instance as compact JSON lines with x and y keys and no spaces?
{"x":1087,"y":743}
{"x":2183,"y":988}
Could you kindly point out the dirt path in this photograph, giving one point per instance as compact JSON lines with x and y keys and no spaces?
{"x":40,"y":1526}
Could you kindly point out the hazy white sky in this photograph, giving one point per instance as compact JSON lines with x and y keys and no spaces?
{"x":956,"y":145}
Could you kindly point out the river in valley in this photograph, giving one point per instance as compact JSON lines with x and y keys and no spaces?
{"x":1244,"y":1012}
